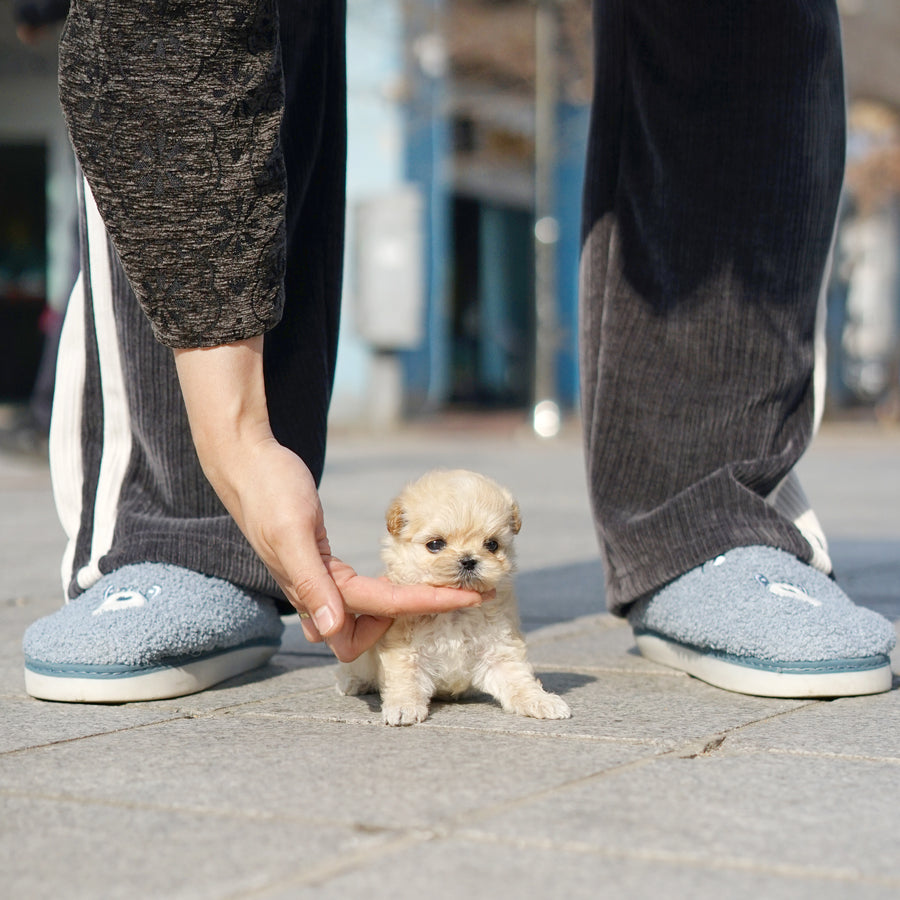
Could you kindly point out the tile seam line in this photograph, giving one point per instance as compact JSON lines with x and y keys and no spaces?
{"x":728,"y":863}
{"x":213,"y":812}
{"x":467,"y":729}
{"x":398,"y":839}
{"x":98,"y":734}
{"x":702,"y":747}
{"x":584,"y":739}
{"x":819,"y":754}
{"x":230,"y":709}
{"x":177,"y":715}
{"x":449,"y":827}
{"x":320,"y":873}
{"x":611,"y":669}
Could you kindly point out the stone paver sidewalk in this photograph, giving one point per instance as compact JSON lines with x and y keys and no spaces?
{"x":273,"y":785}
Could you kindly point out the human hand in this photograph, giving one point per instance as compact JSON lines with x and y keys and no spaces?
{"x":273,"y":498}
{"x":278,"y":508}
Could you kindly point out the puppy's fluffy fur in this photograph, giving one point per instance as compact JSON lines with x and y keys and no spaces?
{"x":456,"y":529}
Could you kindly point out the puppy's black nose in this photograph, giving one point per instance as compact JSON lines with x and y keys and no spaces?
{"x":468,"y":563}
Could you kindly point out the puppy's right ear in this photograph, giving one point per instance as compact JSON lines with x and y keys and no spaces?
{"x":395,"y":518}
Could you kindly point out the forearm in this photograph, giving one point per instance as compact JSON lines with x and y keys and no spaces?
{"x":224,"y":394}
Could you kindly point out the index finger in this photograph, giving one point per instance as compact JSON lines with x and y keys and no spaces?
{"x":380,"y":597}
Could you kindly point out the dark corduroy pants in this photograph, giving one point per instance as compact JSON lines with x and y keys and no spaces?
{"x":714,"y":166}
{"x":714,"y":169}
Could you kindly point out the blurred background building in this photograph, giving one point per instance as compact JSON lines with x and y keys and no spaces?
{"x":37,"y":207}
{"x":465,"y":172}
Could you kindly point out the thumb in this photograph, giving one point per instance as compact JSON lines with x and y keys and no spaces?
{"x":312,"y":591}
{"x":320,"y":605}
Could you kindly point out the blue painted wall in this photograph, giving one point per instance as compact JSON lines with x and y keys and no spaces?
{"x":398,"y":134}
{"x":375,"y":165}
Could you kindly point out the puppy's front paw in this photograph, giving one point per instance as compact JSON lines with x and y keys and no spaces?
{"x":545,"y":706}
{"x":404,"y":714}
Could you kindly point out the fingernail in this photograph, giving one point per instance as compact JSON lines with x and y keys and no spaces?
{"x":324,"y":619}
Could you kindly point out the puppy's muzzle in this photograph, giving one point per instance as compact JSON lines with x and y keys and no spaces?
{"x":469,"y":572}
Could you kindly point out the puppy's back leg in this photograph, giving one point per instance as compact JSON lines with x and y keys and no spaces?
{"x":512,"y":683}
{"x":359,"y":676}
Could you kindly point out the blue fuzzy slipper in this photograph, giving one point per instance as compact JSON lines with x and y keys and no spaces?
{"x":758,"y":621}
{"x":149,"y":631}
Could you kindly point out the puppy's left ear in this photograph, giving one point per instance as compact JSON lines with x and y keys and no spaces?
{"x":515,"y":518}
{"x":395,"y":518}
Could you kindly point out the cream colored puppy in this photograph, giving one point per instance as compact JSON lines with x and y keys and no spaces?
{"x":456,"y":529}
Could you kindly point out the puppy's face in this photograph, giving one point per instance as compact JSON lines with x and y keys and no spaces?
{"x":452,"y":528}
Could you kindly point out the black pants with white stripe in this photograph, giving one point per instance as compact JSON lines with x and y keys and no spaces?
{"x":127,"y":481}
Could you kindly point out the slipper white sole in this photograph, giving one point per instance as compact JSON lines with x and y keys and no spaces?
{"x":118,"y":684}
{"x":763,"y":678}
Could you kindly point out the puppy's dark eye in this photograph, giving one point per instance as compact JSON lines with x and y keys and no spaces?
{"x":491,"y":546}
{"x":436,"y":545}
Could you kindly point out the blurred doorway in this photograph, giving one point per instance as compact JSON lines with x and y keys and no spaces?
{"x":23,"y":265}
{"x":492,"y":305}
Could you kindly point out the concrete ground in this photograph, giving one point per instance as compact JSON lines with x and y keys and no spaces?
{"x":272,"y":785}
